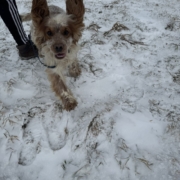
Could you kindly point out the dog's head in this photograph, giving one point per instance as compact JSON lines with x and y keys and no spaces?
{"x":58,"y":30}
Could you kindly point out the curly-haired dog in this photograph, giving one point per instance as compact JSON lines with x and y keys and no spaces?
{"x":56,"y":33}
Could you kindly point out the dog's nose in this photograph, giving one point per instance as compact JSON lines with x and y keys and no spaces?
{"x":59,"y":47}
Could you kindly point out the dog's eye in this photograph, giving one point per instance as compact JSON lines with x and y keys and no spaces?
{"x":49,"y":33}
{"x":66,"y":32}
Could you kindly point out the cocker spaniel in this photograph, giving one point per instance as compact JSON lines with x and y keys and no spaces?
{"x":56,"y":33}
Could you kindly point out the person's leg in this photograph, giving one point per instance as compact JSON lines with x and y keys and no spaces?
{"x":9,"y":14}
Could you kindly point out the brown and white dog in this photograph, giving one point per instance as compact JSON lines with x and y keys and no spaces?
{"x":56,"y":33}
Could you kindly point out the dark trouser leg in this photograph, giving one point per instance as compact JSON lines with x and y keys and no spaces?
{"x":10,"y":16}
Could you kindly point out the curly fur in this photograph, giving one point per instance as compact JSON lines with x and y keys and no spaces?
{"x":56,"y":33}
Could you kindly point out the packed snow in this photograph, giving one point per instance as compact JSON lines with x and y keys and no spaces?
{"x":127,"y":123}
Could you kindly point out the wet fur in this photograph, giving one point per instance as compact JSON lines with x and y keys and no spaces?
{"x":58,"y":22}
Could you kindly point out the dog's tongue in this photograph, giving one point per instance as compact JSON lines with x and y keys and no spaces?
{"x":60,"y":55}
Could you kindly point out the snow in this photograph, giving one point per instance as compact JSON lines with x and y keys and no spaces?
{"x":127,"y":123}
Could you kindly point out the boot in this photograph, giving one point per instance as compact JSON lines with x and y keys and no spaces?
{"x":27,"y":51}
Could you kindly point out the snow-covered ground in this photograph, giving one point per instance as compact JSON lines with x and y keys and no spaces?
{"x":127,"y":123}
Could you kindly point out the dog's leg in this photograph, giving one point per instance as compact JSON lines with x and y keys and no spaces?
{"x":61,"y":90}
{"x":74,"y":69}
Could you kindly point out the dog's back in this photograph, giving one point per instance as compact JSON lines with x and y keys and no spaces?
{"x":52,"y":9}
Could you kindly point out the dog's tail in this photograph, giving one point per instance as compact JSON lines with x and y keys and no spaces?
{"x":26,"y":17}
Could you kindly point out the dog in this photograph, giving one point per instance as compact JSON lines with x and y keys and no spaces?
{"x":56,"y":34}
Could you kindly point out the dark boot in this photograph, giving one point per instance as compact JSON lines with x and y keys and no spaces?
{"x":27,"y":51}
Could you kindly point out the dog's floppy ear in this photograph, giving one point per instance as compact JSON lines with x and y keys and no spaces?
{"x":77,"y":10}
{"x":75,"y":7}
{"x":39,"y":11}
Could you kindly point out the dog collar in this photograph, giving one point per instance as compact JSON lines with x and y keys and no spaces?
{"x":36,"y":54}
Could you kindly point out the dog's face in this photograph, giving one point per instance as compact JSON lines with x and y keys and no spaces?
{"x":58,"y":31}
{"x":57,"y":35}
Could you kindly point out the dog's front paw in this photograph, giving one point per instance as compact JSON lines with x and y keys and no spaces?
{"x":74,"y":70}
{"x":69,"y":102}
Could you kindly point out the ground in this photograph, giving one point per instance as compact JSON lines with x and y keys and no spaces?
{"x":127,"y":123}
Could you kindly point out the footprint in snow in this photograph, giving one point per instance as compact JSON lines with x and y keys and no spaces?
{"x":29,"y":150}
{"x":129,"y":107}
{"x":55,"y":127}
{"x":31,"y":138}
{"x":133,"y":94}
{"x":129,"y":99}
{"x":56,"y":139}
